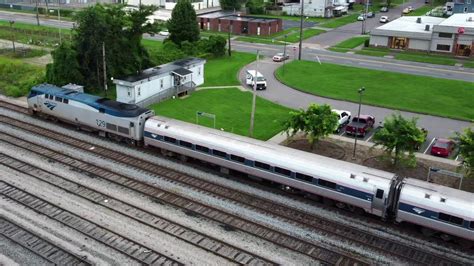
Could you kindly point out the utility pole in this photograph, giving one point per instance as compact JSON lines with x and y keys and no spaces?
{"x":254,"y":98}
{"x":59,"y":18}
{"x":365,"y":16}
{"x":13,"y":32}
{"x":284,"y":55}
{"x":301,"y":29}
{"x":105,"y":68}
{"x":230,"y":29}
{"x":37,"y":14}
{"x":361,"y":90}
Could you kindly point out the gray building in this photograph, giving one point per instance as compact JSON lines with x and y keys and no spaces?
{"x":452,"y":35}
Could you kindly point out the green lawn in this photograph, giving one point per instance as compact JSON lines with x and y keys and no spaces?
{"x":292,"y":36}
{"x":307,"y":33}
{"x":469,"y":64}
{"x":378,"y":53}
{"x":352,"y":42}
{"x":152,"y":45}
{"x":258,"y":40}
{"x":223,"y":71}
{"x":293,"y":18}
{"x":426,"y":58}
{"x":232,"y":108}
{"x":441,"y":97}
{"x":421,"y":11}
{"x":341,"y":21}
{"x":32,"y":34}
{"x":18,"y":77}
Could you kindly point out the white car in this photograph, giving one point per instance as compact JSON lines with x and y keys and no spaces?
{"x":344,"y":118}
{"x":383,"y":19}
{"x":164,"y":33}
{"x":280,"y":57}
{"x":361,"y":17}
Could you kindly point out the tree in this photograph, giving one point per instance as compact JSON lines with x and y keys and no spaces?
{"x":399,"y":136}
{"x":466,"y":149}
{"x":183,"y":24}
{"x":256,"y":6}
{"x":66,"y":67}
{"x":231,"y":4}
{"x":316,"y":122}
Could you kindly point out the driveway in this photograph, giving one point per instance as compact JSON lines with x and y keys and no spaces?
{"x":345,"y":32}
{"x":284,"y":95}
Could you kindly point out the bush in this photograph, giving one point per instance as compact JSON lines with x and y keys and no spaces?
{"x":256,"y":6}
{"x":367,"y":43}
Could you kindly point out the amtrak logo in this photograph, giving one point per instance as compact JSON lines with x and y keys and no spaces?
{"x":418,"y":211}
{"x":154,"y":136}
{"x":50,"y":105}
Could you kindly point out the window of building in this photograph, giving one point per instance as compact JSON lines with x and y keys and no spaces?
{"x":186,"y":144}
{"x":304,"y":177}
{"x":262,"y":165}
{"x":199,"y":71}
{"x":202,"y":149}
{"x":445,"y":35}
{"x":129,"y":93}
{"x":282,"y":171}
{"x":139,"y":91}
{"x":465,"y":10}
{"x":219,"y":153}
{"x":379,"y":194}
{"x":327,"y":184}
{"x":237,"y":158}
{"x":161,"y":83}
{"x":443,"y":47}
{"x":169,"y":139}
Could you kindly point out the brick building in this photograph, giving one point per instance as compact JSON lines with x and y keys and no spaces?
{"x":238,"y":24}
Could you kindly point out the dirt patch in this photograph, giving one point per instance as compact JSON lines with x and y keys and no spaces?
{"x":373,"y":157}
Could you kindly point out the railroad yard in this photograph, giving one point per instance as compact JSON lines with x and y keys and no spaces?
{"x":69,"y":197}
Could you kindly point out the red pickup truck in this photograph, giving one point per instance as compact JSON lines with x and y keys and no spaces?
{"x":360,"y":125}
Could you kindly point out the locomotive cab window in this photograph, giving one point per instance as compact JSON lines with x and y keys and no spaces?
{"x":327,"y":184}
{"x":66,"y":101}
{"x":59,"y":99}
{"x":379,"y":194}
{"x":304,"y":177}
{"x":282,"y":171}
{"x":262,"y":165}
{"x":202,"y":149}
{"x":51,"y":97}
{"x":186,"y":144}
{"x":237,"y":158}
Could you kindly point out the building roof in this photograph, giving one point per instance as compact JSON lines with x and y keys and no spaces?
{"x":182,"y":72}
{"x":465,"y":20}
{"x":162,"y":69}
{"x":110,"y":107}
{"x":218,"y":14}
{"x":409,"y":26}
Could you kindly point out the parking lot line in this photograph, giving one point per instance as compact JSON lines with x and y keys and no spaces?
{"x":369,"y":138}
{"x":431,"y":143}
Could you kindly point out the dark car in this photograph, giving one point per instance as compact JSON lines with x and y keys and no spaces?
{"x":370,"y":14}
{"x":359,"y":126}
{"x":384,"y":9}
{"x":442,"y":147}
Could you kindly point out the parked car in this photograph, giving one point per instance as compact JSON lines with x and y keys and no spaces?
{"x":370,"y":14}
{"x":359,"y":126}
{"x":383,"y":19}
{"x":442,"y":147}
{"x":164,"y":33}
{"x":406,"y":10}
{"x":280,"y":57}
{"x":384,"y":9}
{"x":361,"y":17}
{"x":344,"y":118}
{"x":410,"y":8}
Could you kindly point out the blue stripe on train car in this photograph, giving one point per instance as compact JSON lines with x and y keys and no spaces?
{"x":429,"y":214}
{"x":340,"y":189}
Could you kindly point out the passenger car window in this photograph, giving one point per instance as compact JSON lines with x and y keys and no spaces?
{"x":304,"y":177}
{"x":262,"y":165}
{"x":186,"y":144}
{"x":219,"y":153}
{"x":327,"y":184}
{"x":169,"y":139}
{"x":202,"y":149}
{"x":283,"y":171}
{"x":237,"y":158}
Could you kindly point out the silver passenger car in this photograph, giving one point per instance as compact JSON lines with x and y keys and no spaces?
{"x":341,"y":181}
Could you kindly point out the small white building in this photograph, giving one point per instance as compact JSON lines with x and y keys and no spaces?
{"x":442,"y":35}
{"x":169,"y":4}
{"x":162,"y":82}
{"x":312,"y":8}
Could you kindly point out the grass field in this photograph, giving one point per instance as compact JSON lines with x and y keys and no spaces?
{"x":425,"y":58}
{"x":307,"y":33}
{"x":378,"y":53}
{"x":352,"y":42}
{"x":292,"y":36}
{"x":421,"y":11}
{"x":18,"y":77}
{"x":258,"y":40}
{"x":469,"y":64}
{"x":32,"y":34}
{"x":232,"y":109}
{"x":223,"y":71}
{"x":441,"y":97}
{"x":341,"y":21}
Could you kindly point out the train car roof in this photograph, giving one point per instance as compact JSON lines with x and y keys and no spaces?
{"x":110,"y":107}
{"x":442,"y":198}
{"x":271,"y":153}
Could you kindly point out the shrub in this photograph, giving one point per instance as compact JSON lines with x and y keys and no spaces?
{"x":367,"y":43}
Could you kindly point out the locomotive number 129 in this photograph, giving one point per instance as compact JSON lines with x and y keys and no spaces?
{"x":100,"y":123}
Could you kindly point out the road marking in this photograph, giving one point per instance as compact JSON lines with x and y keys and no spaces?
{"x":398,"y":64}
{"x":367,"y":140}
{"x":431,"y":143}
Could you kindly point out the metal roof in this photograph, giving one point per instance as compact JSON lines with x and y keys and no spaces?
{"x":182,"y":72}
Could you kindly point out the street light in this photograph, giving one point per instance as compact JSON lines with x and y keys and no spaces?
{"x":301,"y":29}
{"x":361,"y":91}
{"x":13,"y":32}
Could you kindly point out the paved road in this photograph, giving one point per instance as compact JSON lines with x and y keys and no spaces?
{"x":284,"y":95}
{"x":340,"y":34}
{"x":31,"y":19}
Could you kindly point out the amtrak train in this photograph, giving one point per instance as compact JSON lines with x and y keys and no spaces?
{"x":437,"y":209}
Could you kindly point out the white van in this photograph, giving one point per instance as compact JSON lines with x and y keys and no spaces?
{"x":254,"y":77}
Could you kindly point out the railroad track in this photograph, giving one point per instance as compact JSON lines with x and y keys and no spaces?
{"x":191,"y":207}
{"x":38,"y":245}
{"x":210,"y":244}
{"x":124,"y":245}
{"x":267,"y":207}
{"x":13,"y":107}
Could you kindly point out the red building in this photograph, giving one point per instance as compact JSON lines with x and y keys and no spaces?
{"x":238,"y":24}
